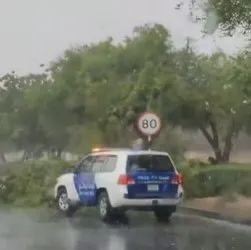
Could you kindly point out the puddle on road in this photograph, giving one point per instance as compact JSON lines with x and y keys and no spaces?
{"x":47,"y":229}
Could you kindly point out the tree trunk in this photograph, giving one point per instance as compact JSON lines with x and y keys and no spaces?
{"x":218,"y":155}
{"x":59,"y":153}
{"x":51,"y":153}
{"x":25,"y":156}
{"x":228,"y":142}
{"x":2,"y":158}
{"x":213,"y":141}
{"x":221,"y":155}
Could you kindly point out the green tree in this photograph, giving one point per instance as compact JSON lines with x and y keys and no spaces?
{"x":233,"y":13}
{"x":196,"y":92}
{"x":97,"y":79}
{"x":229,"y":15}
{"x":208,"y":97}
{"x":93,"y":94}
{"x":10,"y":98}
{"x":20,"y":113}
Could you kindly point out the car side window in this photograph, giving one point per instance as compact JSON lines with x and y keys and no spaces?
{"x":104,"y":163}
{"x":110,"y":164}
{"x":99,"y":163}
{"x":86,"y":164}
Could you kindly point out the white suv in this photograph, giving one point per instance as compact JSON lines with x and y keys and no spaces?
{"x":115,"y":180}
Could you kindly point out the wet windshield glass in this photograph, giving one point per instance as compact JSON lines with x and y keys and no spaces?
{"x":125,"y":112}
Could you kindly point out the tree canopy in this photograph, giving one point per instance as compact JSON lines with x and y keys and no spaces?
{"x":93,"y":94}
{"x":229,"y":15}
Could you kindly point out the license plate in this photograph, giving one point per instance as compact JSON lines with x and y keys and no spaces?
{"x":152,"y":188}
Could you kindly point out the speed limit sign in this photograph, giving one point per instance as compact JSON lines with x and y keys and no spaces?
{"x":149,"y":124}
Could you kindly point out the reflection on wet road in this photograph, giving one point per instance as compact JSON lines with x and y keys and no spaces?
{"x":37,"y":230}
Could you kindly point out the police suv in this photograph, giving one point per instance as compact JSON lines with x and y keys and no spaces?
{"x":116,"y":180}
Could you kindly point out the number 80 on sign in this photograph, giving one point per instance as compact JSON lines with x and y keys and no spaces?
{"x":149,"y":124}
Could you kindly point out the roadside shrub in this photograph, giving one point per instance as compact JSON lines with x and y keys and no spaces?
{"x":30,"y":183}
{"x":189,"y":185}
{"x":194,"y":163}
{"x":217,"y":180}
{"x":244,"y":187}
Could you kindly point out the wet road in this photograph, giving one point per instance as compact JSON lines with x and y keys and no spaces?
{"x":37,"y":230}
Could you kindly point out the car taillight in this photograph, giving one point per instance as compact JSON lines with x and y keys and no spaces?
{"x":178,"y":179}
{"x":125,"y":180}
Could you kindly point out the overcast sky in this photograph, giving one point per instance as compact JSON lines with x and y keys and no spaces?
{"x":38,"y":31}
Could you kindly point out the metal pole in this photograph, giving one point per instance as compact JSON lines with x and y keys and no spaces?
{"x":149,"y":139}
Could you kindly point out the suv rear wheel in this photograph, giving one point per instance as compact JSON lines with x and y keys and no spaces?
{"x":106,"y":211}
{"x":163,"y":214}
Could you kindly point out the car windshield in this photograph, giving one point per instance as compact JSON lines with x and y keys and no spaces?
{"x":149,"y":163}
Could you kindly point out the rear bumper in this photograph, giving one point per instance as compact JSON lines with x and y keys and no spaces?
{"x":122,"y":201}
{"x":153,"y":202}
{"x":118,"y":198}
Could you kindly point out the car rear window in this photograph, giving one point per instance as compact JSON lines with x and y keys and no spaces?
{"x":149,"y":163}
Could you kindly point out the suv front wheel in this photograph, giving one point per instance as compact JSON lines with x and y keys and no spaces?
{"x":106,"y":211}
{"x":63,"y":203}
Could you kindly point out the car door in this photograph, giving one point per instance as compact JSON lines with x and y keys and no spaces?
{"x":84,"y":180}
{"x":104,"y":168}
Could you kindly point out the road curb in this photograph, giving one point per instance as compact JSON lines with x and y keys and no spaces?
{"x":213,"y":215}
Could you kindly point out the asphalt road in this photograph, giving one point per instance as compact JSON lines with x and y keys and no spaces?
{"x":37,"y":230}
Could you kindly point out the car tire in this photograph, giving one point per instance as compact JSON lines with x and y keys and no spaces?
{"x":163,"y":214}
{"x":105,"y":210}
{"x":63,"y":203}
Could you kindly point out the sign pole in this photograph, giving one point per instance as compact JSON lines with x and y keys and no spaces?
{"x":149,"y":139}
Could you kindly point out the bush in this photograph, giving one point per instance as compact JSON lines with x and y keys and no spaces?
{"x":30,"y":183}
{"x":194,"y":163}
{"x":217,"y":180}
{"x":189,"y":185}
